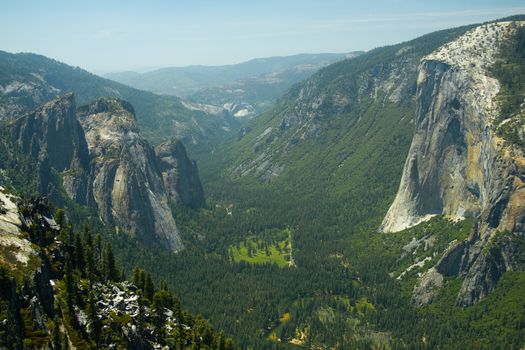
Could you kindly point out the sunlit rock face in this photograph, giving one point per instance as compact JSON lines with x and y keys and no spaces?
{"x":179,"y":174}
{"x":127,"y":185}
{"x":457,"y":164}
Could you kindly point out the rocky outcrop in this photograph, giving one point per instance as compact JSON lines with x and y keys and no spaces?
{"x":45,"y":305}
{"x":127,"y":186}
{"x":18,"y":253}
{"x":21,"y":92}
{"x":458,"y":165}
{"x":97,"y":155}
{"x":54,"y":138}
{"x":179,"y":174}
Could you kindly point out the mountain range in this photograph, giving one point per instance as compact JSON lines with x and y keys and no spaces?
{"x":28,"y":80}
{"x":245,"y":89}
{"x":378,"y":203}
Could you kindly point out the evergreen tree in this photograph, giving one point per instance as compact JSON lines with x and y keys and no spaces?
{"x":14,"y":325}
{"x":79,"y":255}
{"x":140,"y":316}
{"x":57,"y":343}
{"x":89,"y":258}
{"x":110,"y":272}
{"x":93,"y":319}
{"x":159,"y":317}
{"x":138,"y":277}
{"x":97,"y":245}
{"x":149,"y":287}
{"x":177,"y":313}
{"x":59,"y":217}
{"x":69,"y":283}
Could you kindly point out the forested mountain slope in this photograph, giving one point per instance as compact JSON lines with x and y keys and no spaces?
{"x":289,"y":254}
{"x":28,"y":80}
{"x":340,"y":134}
{"x":326,"y":162}
{"x":62,"y":289}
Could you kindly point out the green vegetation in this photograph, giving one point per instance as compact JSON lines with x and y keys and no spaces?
{"x":425,"y":243}
{"x":16,"y":168}
{"x":259,"y":251}
{"x":159,"y":117}
{"x":510,"y":72}
{"x":70,"y":292}
{"x":334,"y":189}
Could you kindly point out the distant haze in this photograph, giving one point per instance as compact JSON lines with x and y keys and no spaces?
{"x":106,"y":36}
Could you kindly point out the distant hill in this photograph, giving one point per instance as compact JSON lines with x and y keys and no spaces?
{"x":27,"y":80}
{"x":246,"y":88}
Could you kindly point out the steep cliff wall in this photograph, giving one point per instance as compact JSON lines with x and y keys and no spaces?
{"x":180,"y":174}
{"x":459,"y":166}
{"x":102,"y":161}
{"x":54,"y":138}
{"x":127,"y":185}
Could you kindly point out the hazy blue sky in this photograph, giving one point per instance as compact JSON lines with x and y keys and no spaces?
{"x":104,"y":36}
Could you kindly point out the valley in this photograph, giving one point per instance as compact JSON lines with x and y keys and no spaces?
{"x":245,"y":89}
{"x":375,"y":202}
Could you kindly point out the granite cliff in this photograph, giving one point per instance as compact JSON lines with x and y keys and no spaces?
{"x":96,"y":156}
{"x":52,"y":136}
{"x":179,"y":174}
{"x":460,"y":165}
{"x":127,"y":186}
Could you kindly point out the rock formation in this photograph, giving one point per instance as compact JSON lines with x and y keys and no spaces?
{"x":44,"y":304}
{"x":54,"y":138}
{"x":97,"y":155}
{"x":180,"y":174}
{"x":459,"y":166}
{"x":127,"y":186}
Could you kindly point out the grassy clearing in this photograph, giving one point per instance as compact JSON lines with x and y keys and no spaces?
{"x":276,"y":250}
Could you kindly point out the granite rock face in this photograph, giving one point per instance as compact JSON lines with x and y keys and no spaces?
{"x":459,"y":166}
{"x":127,"y":185}
{"x":55,"y":139}
{"x":179,"y":174}
{"x":103,"y":162}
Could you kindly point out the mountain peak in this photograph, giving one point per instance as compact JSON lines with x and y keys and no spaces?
{"x":108,"y":105}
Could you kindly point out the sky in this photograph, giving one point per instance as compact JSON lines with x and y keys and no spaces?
{"x":110,"y":36}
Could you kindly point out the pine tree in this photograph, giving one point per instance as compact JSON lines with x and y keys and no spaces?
{"x":59,"y":217}
{"x":110,"y":272}
{"x":89,"y":255}
{"x":93,"y":319}
{"x":14,"y":321}
{"x":97,"y":245}
{"x":159,"y":318}
{"x":79,"y":255}
{"x":57,"y":343}
{"x":69,"y":282}
{"x":177,"y":313}
{"x":90,"y":264}
{"x":140,"y":316}
{"x":137,"y":278}
{"x":149,"y":288}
